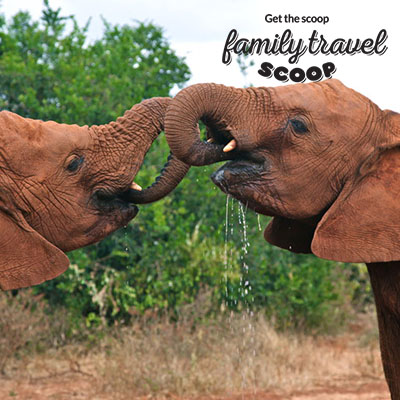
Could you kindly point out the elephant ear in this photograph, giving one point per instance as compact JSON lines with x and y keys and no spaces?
{"x":26,"y":257}
{"x":363,"y":224}
{"x":290,"y":234}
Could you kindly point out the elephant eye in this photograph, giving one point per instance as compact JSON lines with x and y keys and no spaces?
{"x":75,"y":163}
{"x":298,"y":126}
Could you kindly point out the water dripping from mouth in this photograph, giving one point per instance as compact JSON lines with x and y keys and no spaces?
{"x":235,"y":253}
{"x":245,"y":293}
{"x":226,"y":265}
{"x":125,"y":242}
{"x":243,"y":223}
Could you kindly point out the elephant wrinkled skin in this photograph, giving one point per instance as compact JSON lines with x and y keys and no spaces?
{"x":65,"y":186}
{"x":323,"y":161}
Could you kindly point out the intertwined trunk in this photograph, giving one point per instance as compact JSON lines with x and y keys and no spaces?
{"x":130,"y":137}
{"x":229,"y":113}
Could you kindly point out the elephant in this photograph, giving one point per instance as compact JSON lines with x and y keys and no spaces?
{"x":67,"y":186}
{"x":319,"y":158}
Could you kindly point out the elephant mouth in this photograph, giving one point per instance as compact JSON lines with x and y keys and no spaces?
{"x":245,"y":180}
{"x":237,"y":173}
{"x":217,"y":133}
{"x":107,"y":202}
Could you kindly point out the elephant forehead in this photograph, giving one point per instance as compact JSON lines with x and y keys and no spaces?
{"x":61,"y":138}
{"x":25,"y":140}
{"x":327,"y":96}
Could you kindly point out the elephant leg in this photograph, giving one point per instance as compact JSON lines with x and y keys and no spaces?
{"x":385,"y":281}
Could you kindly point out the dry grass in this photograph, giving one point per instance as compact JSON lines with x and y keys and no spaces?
{"x":236,"y":354}
{"x":22,"y":321}
{"x":239,"y":354}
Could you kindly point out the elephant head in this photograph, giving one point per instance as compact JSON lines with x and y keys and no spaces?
{"x":320,"y":158}
{"x":323,"y":161}
{"x":65,"y":186}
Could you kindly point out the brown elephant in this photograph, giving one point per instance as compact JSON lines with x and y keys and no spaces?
{"x":323,"y":161}
{"x":65,"y":186}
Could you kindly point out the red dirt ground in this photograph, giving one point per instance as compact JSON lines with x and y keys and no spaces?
{"x":78,"y":386}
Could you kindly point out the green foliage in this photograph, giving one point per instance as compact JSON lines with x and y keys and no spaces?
{"x":304,"y":293}
{"x":48,"y":70}
{"x":180,"y":246}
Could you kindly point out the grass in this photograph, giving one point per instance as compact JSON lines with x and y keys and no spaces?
{"x":155,"y":358}
{"x":233,"y":355}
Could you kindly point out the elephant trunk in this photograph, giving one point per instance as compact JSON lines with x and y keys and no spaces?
{"x":135,"y":132}
{"x":216,"y":105}
{"x":173,"y":171}
{"x":171,"y":175}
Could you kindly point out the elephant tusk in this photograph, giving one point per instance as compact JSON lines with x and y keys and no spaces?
{"x":211,"y":140}
{"x":135,"y":186}
{"x":230,"y":146}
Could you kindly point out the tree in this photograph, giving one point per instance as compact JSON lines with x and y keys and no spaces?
{"x":48,"y":70}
